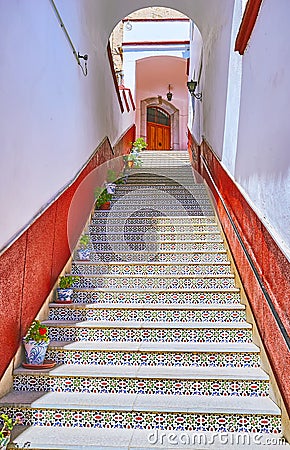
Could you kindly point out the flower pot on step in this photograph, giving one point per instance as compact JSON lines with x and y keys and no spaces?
{"x":83,"y":254}
{"x":64,"y":295}
{"x":130,"y":164}
{"x":106,"y":205}
{"x":35,"y":351}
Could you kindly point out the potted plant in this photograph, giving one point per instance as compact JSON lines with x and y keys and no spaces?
{"x":65,"y":290}
{"x":103,"y":198}
{"x":83,"y":250}
{"x":139,"y":145}
{"x":35,"y":343}
{"x":7,"y":424}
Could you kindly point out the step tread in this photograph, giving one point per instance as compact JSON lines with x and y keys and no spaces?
{"x":77,"y":438}
{"x":156,"y":372}
{"x":133,"y":324}
{"x":143,"y":402}
{"x":163,"y":347}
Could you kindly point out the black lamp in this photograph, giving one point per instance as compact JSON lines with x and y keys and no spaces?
{"x":169,"y":94}
{"x":191,"y":86}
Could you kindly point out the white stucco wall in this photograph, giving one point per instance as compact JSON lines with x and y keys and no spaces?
{"x":263,"y":156}
{"x":52,"y":117}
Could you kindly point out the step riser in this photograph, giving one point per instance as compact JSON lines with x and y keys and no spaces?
{"x":64,"y":334}
{"x":170,"y":257}
{"x":153,"y":227}
{"x":107,"y":385}
{"x":102,"y":218}
{"x":147,"y":420}
{"x":153,"y":237}
{"x":208,"y":298}
{"x":155,"y":203}
{"x":142,"y":315}
{"x":152,"y":211}
{"x":146,"y":283}
{"x":137,"y":358}
{"x":119,"y":247}
{"x":150,"y":270}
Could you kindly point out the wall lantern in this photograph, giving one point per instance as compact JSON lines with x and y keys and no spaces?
{"x":169,"y":94}
{"x":191,"y":86}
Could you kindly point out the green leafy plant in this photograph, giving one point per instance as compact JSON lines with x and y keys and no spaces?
{"x":67,"y":281}
{"x":102,"y":196}
{"x":84,"y":241}
{"x":37,"y":332}
{"x":139,"y":145}
{"x":7,"y":424}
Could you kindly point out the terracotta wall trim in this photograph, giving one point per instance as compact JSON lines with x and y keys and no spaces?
{"x":247,"y":25}
{"x":250,"y":259}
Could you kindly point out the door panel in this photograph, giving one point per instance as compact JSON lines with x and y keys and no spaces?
{"x":158,"y":136}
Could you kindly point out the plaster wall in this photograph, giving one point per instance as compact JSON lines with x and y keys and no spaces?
{"x":263,"y":156}
{"x":51,"y":119}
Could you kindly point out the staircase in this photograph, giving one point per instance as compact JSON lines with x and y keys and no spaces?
{"x":155,"y":351}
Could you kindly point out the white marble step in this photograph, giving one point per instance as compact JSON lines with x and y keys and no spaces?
{"x":139,"y":402}
{"x":81,"y":438}
{"x":157,"y":372}
{"x":134,"y":324}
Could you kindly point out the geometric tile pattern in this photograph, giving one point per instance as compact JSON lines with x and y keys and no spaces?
{"x":171,"y":256}
{"x":205,"y":298}
{"x":160,"y":282}
{"x":150,"y":269}
{"x":153,"y":358}
{"x":116,"y":385}
{"x":156,"y":237}
{"x":149,"y":420}
{"x":66,"y":333}
{"x":147,"y":315}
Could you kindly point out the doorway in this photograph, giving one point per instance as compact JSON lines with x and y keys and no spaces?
{"x":158,"y":129}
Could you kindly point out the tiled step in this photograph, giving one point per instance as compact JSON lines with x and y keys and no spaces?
{"x":155,"y":201}
{"x":150,"y":269}
{"x":155,"y":354}
{"x":79,"y":437}
{"x":145,"y":380}
{"x":184,"y":210}
{"x":103,"y":217}
{"x":147,"y":312}
{"x":154,"y":236}
{"x":136,"y":331}
{"x":147,"y":282}
{"x":174,"y":256}
{"x":160,"y":246}
{"x":190,"y":412}
{"x":166,"y":228}
{"x":230,"y":296}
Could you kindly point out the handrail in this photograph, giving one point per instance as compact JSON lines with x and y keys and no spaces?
{"x":109,"y":52}
{"x":250,"y":260}
{"x":75,"y":53}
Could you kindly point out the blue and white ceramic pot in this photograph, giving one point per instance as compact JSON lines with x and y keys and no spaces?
{"x":35,"y":351}
{"x":83,"y":254}
{"x":64,"y":295}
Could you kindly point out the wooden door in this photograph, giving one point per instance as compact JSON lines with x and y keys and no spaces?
{"x":158,"y":129}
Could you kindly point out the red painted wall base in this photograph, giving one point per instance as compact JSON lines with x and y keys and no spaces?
{"x":273,"y":267}
{"x":31,"y":266}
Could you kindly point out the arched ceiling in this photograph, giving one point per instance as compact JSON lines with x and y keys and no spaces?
{"x":208,"y":15}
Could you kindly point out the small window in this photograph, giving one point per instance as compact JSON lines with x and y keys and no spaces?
{"x":158,"y":115}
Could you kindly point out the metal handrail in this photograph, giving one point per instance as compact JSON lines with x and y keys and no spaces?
{"x":76,"y":54}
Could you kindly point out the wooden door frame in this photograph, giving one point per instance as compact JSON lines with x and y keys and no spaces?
{"x":170,"y":109}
